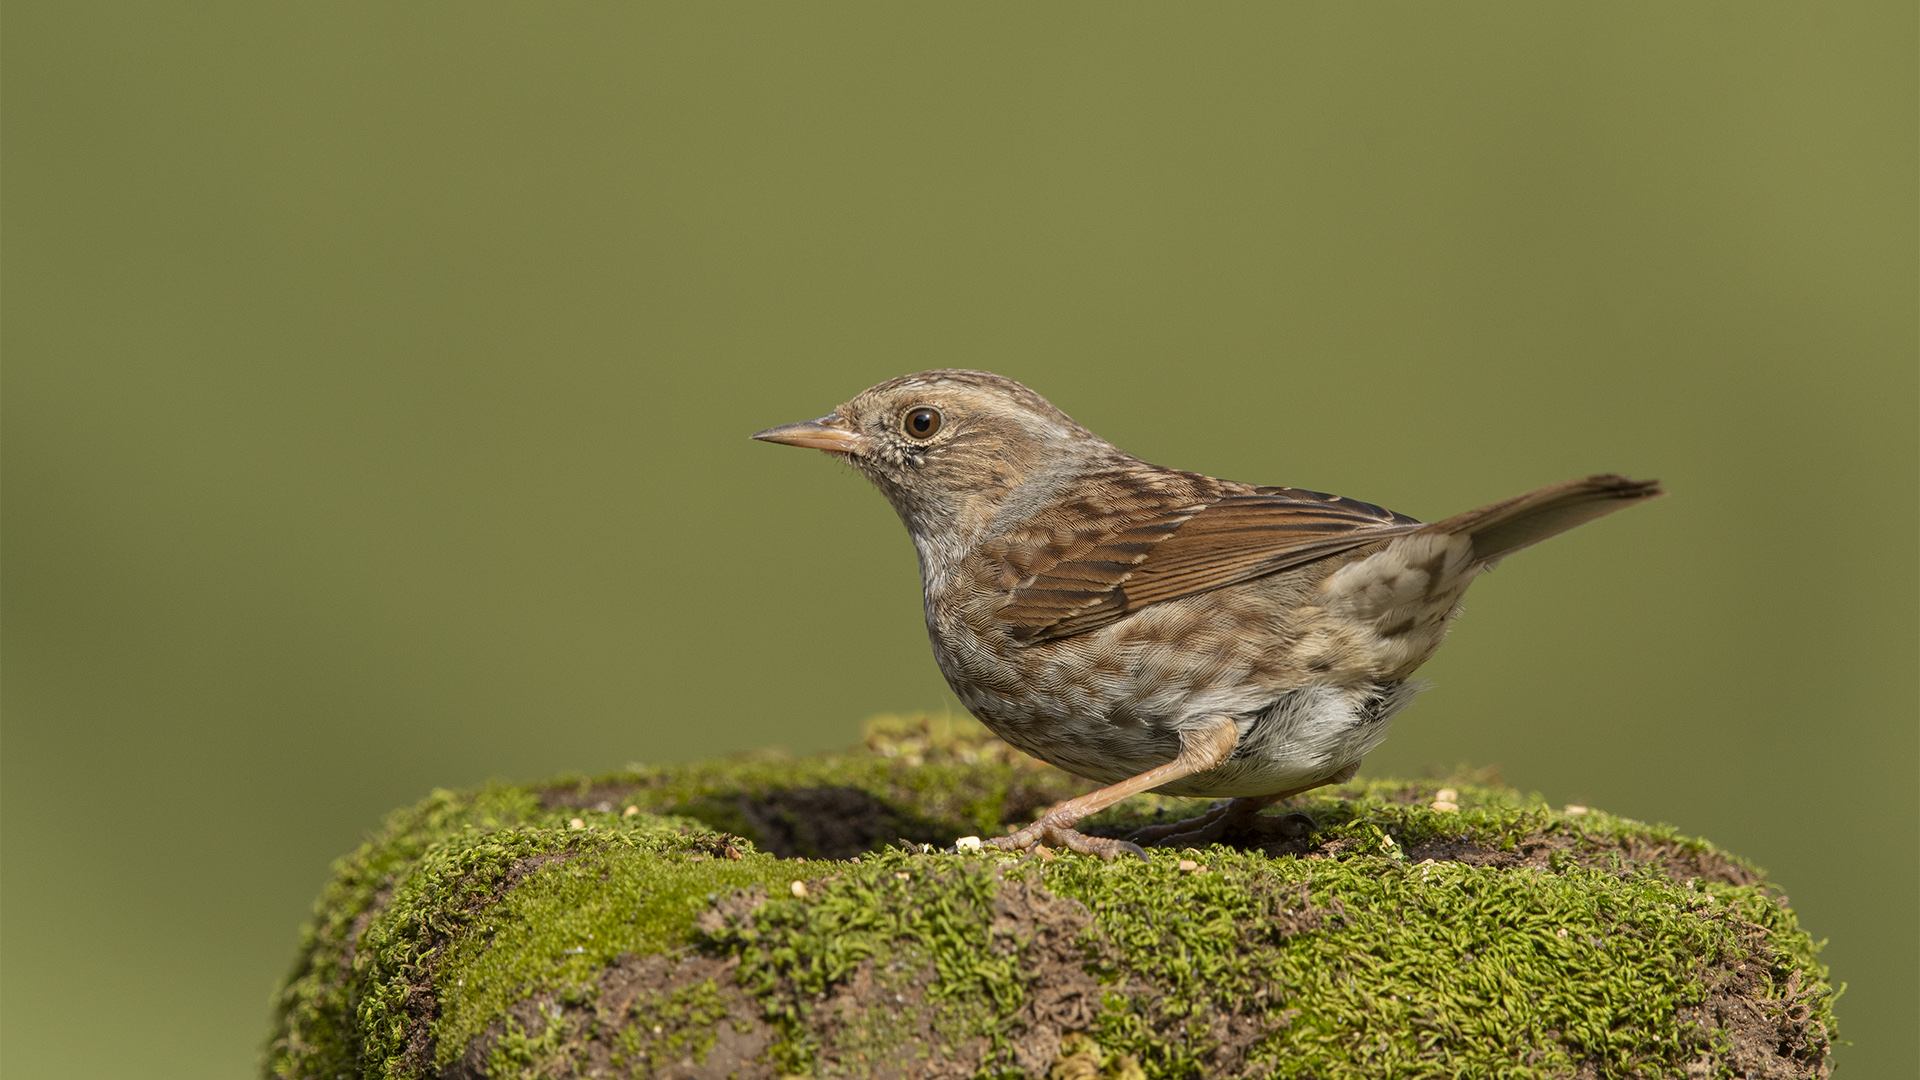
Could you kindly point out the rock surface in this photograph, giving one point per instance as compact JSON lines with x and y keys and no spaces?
{"x":774,"y":917}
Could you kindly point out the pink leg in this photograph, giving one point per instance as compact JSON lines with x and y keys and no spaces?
{"x":1201,"y":749}
{"x":1212,"y":825}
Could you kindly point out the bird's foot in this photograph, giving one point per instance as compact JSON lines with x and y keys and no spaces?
{"x":1063,"y":835}
{"x":1216,"y":816}
{"x":1219,"y":820}
{"x":1283,"y":826}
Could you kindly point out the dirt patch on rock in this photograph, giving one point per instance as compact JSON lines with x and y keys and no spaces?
{"x":1061,"y":996}
{"x":880,"y":1024}
{"x":674,"y":1017}
{"x":883,"y":1021}
{"x":1771,"y":1032}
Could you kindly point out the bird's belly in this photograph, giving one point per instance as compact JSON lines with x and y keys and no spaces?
{"x":1303,"y":736}
{"x":1306,"y":736}
{"x":1109,"y":704}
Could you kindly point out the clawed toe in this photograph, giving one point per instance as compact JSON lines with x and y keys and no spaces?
{"x":1061,"y":836}
{"x":1105,"y":847}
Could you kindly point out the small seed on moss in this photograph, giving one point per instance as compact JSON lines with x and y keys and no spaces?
{"x":1446,"y":794}
{"x":1445,"y":806}
{"x":576,"y":823}
{"x":1576,"y":810}
{"x":1188,"y":866}
{"x":967,"y":843}
{"x":798,"y":889}
{"x":630,"y":811}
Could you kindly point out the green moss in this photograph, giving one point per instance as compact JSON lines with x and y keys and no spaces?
{"x":316,"y":1030}
{"x":1083,"y":1058}
{"x":435,"y":870}
{"x":1504,"y":938}
{"x":683,"y":1025}
{"x":516,"y":1054}
{"x":908,"y":912}
{"x":1445,"y":970}
{"x":491,"y":917}
{"x":568,"y":920}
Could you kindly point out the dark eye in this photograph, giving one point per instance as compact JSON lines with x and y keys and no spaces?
{"x":921,"y":423}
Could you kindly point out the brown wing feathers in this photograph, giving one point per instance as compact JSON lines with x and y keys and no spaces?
{"x":1082,"y":576}
{"x":1243,"y":537}
{"x":1175,"y":551}
{"x":1168,"y":545}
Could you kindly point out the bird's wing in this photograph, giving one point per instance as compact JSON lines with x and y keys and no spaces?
{"x":1161,"y":547}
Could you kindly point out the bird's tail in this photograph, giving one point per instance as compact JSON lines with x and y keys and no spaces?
{"x":1507,"y":526}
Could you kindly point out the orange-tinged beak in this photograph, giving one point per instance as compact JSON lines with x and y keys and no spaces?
{"x":831,"y":433}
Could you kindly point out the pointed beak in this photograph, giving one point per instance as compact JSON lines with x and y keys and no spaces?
{"x":832,"y":433}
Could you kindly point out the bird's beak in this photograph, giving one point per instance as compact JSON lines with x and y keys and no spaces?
{"x":832,"y":433}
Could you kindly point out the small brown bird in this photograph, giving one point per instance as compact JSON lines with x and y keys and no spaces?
{"x":1158,"y":630}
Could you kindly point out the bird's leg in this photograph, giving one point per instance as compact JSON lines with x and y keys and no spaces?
{"x":1218,"y":820}
{"x":1201,"y":748}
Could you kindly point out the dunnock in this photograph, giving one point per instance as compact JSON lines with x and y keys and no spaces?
{"x":1153,"y":629}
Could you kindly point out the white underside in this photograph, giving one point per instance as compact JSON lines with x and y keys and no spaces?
{"x":1309,"y":735}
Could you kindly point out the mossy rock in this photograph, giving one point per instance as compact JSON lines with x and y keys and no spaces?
{"x":771,"y":917}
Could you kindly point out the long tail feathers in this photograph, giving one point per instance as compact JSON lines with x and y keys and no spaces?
{"x":1507,"y":526}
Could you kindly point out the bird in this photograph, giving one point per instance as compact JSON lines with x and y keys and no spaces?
{"x":1153,"y":629}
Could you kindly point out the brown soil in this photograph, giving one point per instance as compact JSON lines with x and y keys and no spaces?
{"x":591,"y":1043}
{"x":1772,"y":1038}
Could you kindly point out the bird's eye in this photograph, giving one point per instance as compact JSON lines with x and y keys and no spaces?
{"x":921,"y":423}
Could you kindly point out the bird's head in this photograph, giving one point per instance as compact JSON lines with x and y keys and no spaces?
{"x":954,"y":451}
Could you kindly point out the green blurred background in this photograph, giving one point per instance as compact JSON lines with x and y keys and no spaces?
{"x":378,"y":380}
